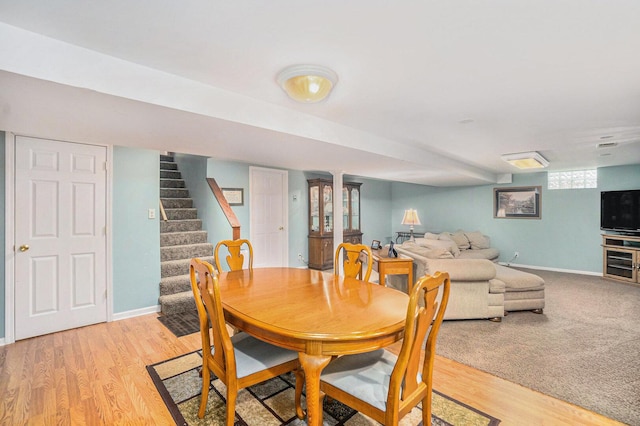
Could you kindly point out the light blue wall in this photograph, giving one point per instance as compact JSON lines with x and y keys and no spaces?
{"x":375,"y":207}
{"x":566,"y":237}
{"x":136,"y":239}
{"x":298,"y":217}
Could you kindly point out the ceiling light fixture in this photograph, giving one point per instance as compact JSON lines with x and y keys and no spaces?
{"x":307,"y":83}
{"x":526,"y":160}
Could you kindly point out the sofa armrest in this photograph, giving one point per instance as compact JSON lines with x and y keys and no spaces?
{"x":463,"y":269}
{"x":458,"y":269}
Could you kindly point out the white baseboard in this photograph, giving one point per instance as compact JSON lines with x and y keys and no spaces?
{"x":2,"y":342}
{"x":136,"y":313}
{"x":544,"y":268}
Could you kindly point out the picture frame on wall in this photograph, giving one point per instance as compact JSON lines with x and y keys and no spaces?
{"x":234,"y":196}
{"x":517,"y":202}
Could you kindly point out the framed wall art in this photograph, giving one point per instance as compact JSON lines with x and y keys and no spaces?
{"x":517,"y":202}
{"x":234,"y":196}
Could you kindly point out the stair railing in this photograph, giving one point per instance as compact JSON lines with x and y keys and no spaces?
{"x":226,"y":208}
{"x":163,"y":214}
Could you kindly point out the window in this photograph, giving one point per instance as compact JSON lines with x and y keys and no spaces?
{"x":575,"y":179}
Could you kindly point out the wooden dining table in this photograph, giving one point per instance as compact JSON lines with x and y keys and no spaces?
{"x":315,"y":313}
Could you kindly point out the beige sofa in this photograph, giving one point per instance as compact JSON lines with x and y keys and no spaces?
{"x":480,"y":288}
{"x":475,"y":293}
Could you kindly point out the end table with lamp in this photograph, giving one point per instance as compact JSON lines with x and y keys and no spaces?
{"x":386,"y":265}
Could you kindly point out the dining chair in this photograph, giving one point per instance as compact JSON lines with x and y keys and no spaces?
{"x":382,"y":385}
{"x":238,"y":361}
{"x":353,"y":258}
{"x":235,"y":259}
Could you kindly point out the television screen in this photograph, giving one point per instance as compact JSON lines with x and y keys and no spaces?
{"x":620,"y":211}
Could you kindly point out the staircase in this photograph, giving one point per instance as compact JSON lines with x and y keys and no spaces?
{"x":181,"y":238}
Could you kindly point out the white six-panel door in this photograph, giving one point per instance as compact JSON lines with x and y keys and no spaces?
{"x":268,"y":206}
{"x":60,"y":236}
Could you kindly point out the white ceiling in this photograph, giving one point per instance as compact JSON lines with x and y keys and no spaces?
{"x":429,"y":92}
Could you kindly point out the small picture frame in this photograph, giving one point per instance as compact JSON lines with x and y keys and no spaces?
{"x":517,"y":202}
{"x":234,"y":196}
{"x":375,"y":245}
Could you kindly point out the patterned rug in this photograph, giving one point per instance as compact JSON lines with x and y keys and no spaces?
{"x":271,"y":402}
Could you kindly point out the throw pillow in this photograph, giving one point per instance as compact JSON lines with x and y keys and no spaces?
{"x":439,"y":253}
{"x":461,"y":239}
{"x":478,"y":240}
{"x":439,"y":244}
{"x":430,"y":236}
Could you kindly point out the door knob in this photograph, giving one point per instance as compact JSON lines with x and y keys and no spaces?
{"x":24,"y":247}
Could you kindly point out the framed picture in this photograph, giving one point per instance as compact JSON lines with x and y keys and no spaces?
{"x":517,"y":203}
{"x":234,"y":196}
{"x":375,"y":245}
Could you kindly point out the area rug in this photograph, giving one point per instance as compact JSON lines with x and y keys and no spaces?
{"x":271,"y":402}
{"x":181,"y":324}
{"x":583,"y":349}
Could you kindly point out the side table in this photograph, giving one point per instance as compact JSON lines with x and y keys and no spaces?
{"x":386,"y":265}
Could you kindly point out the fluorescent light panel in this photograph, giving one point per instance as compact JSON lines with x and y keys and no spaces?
{"x":526,"y":160}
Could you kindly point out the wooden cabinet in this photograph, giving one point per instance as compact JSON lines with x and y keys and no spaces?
{"x":621,"y":258}
{"x":321,"y":198}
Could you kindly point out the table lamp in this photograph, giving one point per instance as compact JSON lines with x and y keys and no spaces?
{"x":411,"y":218}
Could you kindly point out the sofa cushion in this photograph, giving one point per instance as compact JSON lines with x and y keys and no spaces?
{"x":488,"y":253}
{"x":428,"y":252}
{"x":477,"y":240}
{"x":439,"y":244}
{"x":461,"y":239}
{"x":475,"y":270}
{"x":515,"y":280}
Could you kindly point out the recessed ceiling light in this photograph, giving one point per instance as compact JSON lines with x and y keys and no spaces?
{"x":526,"y":160}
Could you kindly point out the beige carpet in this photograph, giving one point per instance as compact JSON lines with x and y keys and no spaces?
{"x":584,"y":349}
{"x":271,"y":402}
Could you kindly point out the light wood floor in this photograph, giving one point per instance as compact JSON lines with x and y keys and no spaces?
{"x":96,"y":375}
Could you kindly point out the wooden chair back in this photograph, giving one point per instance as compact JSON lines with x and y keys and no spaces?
{"x":423,"y":323}
{"x":359,"y":380}
{"x":235,"y":258}
{"x":204,"y":281}
{"x":195,"y":268}
{"x":354,"y":256}
{"x":257,"y":360}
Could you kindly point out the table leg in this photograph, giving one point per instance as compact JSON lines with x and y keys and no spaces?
{"x":312,"y":366}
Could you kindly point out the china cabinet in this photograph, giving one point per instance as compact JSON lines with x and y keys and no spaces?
{"x":321,"y":198}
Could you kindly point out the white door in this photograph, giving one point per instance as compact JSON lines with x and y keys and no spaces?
{"x":268,"y":210}
{"x":60,"y":241}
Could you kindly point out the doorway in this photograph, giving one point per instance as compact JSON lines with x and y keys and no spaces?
{"x":60,"y":206}
{"x":268,"y":212}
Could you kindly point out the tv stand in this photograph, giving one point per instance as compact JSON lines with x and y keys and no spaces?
{"x":621,"y":258}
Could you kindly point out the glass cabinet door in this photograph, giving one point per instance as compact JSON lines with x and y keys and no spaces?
{"x":314,"y":207}
{"x":327,"y":192}
{"x":345,"y":208}
{"x":355,"y":209}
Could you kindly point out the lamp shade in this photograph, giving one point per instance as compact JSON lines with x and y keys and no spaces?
{"x":411,"y":217}
{"x":307,"y":83}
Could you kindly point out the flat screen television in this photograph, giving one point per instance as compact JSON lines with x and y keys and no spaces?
{"x":620,"y":211}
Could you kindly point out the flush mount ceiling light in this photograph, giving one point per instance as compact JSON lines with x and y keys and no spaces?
{"x":307,"y":83}
{"x":526,"y":160}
